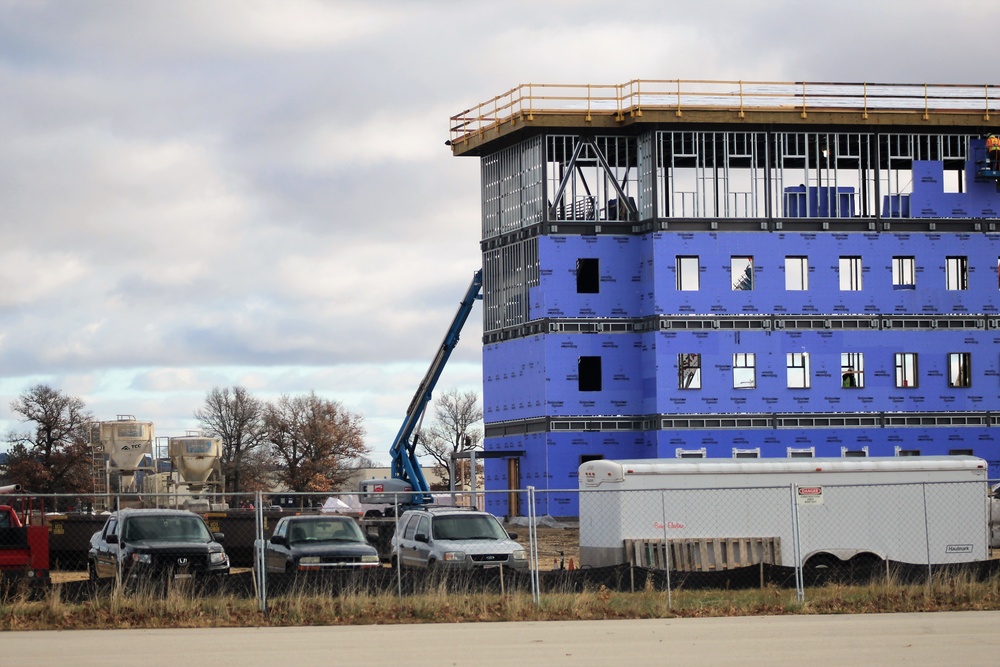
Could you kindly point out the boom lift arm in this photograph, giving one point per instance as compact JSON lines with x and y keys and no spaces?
{"x":405,"y":466}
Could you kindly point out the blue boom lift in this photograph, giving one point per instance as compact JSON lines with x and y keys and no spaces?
{"x":408,"y":487}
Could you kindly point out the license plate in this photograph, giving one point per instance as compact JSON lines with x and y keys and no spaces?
{"x":183,"y":576}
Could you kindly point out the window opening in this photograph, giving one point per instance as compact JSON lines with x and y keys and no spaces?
{"x":957,"y":273}
{"x":588,"y":275}
{"x":801,"y":452}
{"x":744,"y":370}
{"x":960,"y":452}
{"x":906,"y":369}
{"x":904,"y":273}
{"x":742,"y":273}
{"x":689,"y":371}
{"x":796,"y":274}
{"x":687,"y":273}
{"x":589,"y":373}
{"x":798,"y":370}
{"x":960,"y":369}
{"x":850,"y":274}
{"x":852,"y":370}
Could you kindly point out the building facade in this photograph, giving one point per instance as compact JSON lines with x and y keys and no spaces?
{"x":723,"y":269}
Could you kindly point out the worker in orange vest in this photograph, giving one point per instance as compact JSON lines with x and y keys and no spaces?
{"x":993,"y":151}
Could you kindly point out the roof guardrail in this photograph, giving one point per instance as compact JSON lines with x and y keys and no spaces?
{"x":529,"y":100}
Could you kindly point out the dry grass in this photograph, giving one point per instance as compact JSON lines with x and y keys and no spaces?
{"x":179,"y":608}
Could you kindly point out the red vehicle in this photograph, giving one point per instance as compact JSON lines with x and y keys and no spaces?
{"x":24,"y":550}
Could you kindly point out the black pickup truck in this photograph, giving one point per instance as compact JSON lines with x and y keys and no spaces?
{"x":156,"y":543}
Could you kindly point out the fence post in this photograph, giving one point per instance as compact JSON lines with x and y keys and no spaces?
{"x":260,"y":563}
{"x":533,"y":547}
{"x":666,"y":551}
{"x":800,"y":587}
{"x":399,"y":561}
{"x":927,"y":536}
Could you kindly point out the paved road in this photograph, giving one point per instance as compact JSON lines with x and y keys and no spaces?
{"x":945,"y":638}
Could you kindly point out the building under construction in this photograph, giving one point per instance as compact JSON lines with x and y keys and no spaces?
{"x":734,"y":269}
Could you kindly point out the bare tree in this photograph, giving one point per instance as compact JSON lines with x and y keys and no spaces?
{"x":55,"y":457}
{"x":454,"y":431}
{"x":237,"y":418}
{"x":316,"y":442}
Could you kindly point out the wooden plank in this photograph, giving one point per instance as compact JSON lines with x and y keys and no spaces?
{"x":702,"y":554}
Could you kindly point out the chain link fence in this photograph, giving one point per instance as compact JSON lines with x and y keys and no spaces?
{"x":624,"y":540}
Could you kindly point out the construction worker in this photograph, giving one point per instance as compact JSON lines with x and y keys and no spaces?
{"x":993,"y":151}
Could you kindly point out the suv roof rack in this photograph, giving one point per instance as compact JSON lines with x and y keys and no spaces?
{"x":457,"y":508}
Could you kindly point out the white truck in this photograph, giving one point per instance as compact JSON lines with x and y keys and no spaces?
{"x":709,"y":514}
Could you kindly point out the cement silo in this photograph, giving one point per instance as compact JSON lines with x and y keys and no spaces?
{"x":198,"y":459}
{"x":129,"y":446}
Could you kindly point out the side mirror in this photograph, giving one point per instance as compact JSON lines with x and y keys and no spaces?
{"x":512,"y":536}
{"x":111,"y":539}
{"x":279,"y":539}
{"x":422,"y":537}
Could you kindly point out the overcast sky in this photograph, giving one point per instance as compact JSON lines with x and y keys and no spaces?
{"x":216,"y":193}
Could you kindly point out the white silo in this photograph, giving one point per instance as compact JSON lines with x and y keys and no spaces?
{"x":196,"y":457}
{"x":129,"y":445}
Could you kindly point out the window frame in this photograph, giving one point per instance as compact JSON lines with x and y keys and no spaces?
{"x":684,"y":281}
{"x":904,"y":371}
{"x":681,"y":453}
{"x":588,"y":275}
{"x":960,"y":370}
{"x":956,"y":273}
{"x":851,"y":273}
{"x":904,"y":272}
{"x":801,"y":273}
{"x":741,"y":273}
{"x":797,"y":364}
{"x":589,"y":373}
{"x":744,"y":357}
{"x":682,"y":366}
{"x":746,"y":453}
{"x":852,"y":367}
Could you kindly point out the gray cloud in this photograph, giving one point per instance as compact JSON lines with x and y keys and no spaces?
{"x":213,"y":193}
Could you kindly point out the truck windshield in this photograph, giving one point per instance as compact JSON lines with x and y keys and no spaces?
{"x":330,"y":530}
{"x":172,"y":528}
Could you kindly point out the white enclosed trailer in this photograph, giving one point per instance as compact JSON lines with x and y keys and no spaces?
{"x":907,"y":509}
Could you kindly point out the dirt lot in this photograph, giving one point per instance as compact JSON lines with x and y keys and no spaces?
{"x":557,"y":546}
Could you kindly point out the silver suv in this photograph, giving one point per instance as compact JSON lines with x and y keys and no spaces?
{"x":454,"y":537}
